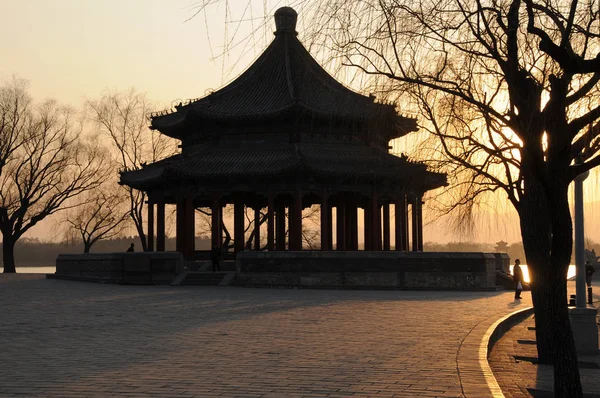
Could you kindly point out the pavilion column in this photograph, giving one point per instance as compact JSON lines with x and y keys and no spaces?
{"x":160,"y":225}
{"x":368,"y":228}
{"x":180,"y":224}
{"x":238,"y":225}
{"x":379,"y":232}
{"x":257,"y":227}
{"x":401,"y":224}
{"x":415,"y":224}
{"x":340,"y":215}
{"x":386,"y":227}
{"x":216,"y":230}
{"x":271,"y":221}
{"x":296,"y":222}
{"x":352,"y":224}
{"x":150,"y":236}
{"x":325,"y":223}
{"x":420,"y":222}
{"x":190,"y":223}
{"x":280,"y":226}
{"x":375,"y":223}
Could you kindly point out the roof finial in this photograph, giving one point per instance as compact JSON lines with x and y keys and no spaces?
{"x":285,"y":20}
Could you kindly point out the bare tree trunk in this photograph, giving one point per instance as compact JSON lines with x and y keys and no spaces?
{"x":140,"y":230}
{"x":546,"y":229}
{"x":8,"y":255}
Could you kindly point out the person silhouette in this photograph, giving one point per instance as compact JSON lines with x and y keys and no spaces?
{"x":589,"y":272}
{"x":131,"y":249}
{"x":518,"y":279}
{"x":215,"y":256}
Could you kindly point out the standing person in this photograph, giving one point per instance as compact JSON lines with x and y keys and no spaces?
{"x":518,"y":279}
{"x":215,"y":256}
{"x":131,"y":249}
{"x":589,"y":271}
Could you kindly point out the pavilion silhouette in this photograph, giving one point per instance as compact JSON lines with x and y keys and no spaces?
{"x":283,"y":136}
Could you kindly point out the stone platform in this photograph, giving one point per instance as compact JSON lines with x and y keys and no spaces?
{"x":369,"y":270}
{"x":132,"y":268}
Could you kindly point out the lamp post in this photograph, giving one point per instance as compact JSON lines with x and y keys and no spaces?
{"x":579,"y":240}
{"x":583,"y":318}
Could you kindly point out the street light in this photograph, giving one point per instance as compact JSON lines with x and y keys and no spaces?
{"x":579,"y":239}
{"x":583,"y":318}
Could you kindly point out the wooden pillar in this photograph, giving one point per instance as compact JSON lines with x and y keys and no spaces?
{"x":375,"y":223}
{"x":257,"y":227}
{"x":401,"y":224}
{"x":379,"y":232}
{"x":351,"y":224}
{"x":216,"y":230}
{"x":280,"y":226}
{"x":271,"y":221}
{"x":238,"y":225}
{"x":190,"y":223}
{"x":180,"y":224}
{"x":296,"y":222}
{"x":420,"y":223}
{"x":386,"y":227}
{"x":325,"y":223}
{"x":415,"y":224}
{"x":150,"y":236}
{"x":341,"y":225}
{"x":368,"y":228}
{"x":160,"y":225}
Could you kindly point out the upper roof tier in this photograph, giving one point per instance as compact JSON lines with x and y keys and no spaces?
{"x":283,"y":78}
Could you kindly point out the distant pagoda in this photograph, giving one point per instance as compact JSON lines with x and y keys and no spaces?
{"x":284,"y":136}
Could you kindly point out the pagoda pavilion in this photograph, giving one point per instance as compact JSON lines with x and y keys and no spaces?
{"x":282,"y":137}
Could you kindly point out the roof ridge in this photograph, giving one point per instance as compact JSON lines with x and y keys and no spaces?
{"x":288,"y":66}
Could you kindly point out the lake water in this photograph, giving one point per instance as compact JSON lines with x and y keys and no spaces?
{"x":37,"y":270}
{"x":570,"y":273}
{"x":52,"y":269}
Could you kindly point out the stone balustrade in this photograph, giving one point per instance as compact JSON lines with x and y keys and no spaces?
{"x":356,"y":269}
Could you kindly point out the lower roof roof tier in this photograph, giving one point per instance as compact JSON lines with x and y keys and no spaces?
{"x":284,"y":161}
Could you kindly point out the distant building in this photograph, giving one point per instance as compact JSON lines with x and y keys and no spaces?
{"x":501,"y":247}
{"x":283,"y":136}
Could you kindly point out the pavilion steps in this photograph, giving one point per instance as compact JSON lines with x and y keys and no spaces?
{"x":204,"y":278}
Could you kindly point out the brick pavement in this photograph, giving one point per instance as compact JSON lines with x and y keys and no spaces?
{"x":74,"y":339}
{"x":520,"y":378}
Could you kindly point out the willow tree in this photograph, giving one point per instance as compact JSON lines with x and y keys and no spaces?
{"x":509,"y":88}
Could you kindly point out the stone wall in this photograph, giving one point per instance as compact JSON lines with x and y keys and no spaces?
{"x":383,"y":270}
{"x":143,"y":267}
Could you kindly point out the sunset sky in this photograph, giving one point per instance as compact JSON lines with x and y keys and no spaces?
{"x":73,"y":50}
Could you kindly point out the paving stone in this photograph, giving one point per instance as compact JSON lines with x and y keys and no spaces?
{"x":61,"y":338}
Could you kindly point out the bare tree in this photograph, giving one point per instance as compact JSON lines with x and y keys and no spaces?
{"x":15,"y":104}
{"x":509,"y":89}
{"x":46,"y":164}
{"x":122,"y":117}
{"x":101,"y":216}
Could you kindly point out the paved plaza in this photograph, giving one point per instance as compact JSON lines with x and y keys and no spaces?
{"x":76,"y":339}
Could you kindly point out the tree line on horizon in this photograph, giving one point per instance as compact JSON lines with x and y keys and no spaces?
{"x":34,"y":252}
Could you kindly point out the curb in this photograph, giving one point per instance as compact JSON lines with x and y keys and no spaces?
{"x":477,"y":378}
{"x":502,"y":326}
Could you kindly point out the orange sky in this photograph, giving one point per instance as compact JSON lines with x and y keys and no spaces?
{"x":76,"y":49}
